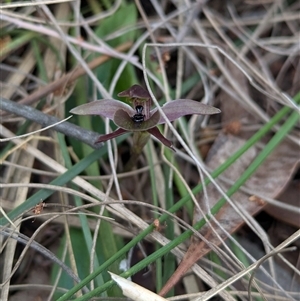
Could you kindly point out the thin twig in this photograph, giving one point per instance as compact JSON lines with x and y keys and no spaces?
{"x":67,"y":128}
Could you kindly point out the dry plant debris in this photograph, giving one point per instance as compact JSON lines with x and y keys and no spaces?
{"x":239,"y":56}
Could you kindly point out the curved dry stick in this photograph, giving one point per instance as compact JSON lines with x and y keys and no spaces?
{"x":260,"y":262}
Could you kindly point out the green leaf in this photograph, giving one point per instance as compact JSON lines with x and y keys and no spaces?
{"x":124,"y":17}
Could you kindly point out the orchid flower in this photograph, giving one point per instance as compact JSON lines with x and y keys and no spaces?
{"x":140,"y":118}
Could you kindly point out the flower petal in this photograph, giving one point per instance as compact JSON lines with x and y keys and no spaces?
{"x":136,"y":91}
{"x":181,"y":107}
{"x":116,"y":133}
{"x":156,"y":133}
{"x":103,"y":107}
{"x":124,"y":121}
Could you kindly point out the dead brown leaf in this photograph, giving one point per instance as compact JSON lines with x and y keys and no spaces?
{"x":234,"y":114}
{"x":290,"y":196}
{"x":269,"y":180}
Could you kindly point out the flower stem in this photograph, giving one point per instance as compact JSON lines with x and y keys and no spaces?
{"x":139,"y":141}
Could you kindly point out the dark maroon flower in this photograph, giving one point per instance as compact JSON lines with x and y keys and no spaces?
{"x":140,"y":118}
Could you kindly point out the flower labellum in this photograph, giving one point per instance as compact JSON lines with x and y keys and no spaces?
{"x":139,"y":97}
{"x":140,"y":118}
